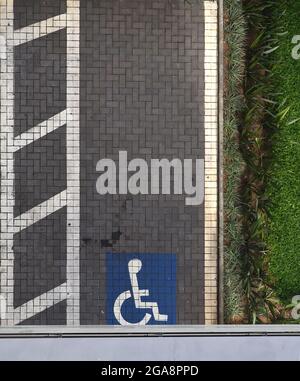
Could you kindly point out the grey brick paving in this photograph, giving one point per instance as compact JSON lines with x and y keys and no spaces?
{"x":141,"y":91}
{"x":40,"y":80}
{"x":40,"y":170}
{"x":27,"y":12}
{"x":40,"y":257}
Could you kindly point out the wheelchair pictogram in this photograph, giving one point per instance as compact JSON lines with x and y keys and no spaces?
{"x":134,"y":267}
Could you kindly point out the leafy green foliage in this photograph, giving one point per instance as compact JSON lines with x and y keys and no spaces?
{"x":262,"y":196}
{"x":257,"y":120}
{"x":257,"y":114}
{"x":235,"y":35}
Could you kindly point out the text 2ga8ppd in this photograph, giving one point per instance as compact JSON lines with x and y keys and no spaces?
{"x":150,"y":370}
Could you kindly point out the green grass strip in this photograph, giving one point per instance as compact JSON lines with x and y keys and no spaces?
{"x":283,"y":185}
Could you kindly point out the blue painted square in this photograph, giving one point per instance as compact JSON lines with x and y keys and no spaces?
{"x":153,"y":272}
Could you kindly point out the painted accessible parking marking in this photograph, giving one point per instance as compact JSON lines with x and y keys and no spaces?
{"x":141,"y":288}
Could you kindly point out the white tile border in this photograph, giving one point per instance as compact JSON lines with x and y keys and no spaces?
{"x":211,"y":162}
{"x":7,"y":159}
{"x":73,"y":162}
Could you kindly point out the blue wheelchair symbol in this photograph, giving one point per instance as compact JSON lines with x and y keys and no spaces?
{"x":141,"y":289}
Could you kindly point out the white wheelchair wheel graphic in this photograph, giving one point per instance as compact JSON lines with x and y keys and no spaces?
{"x":134,"y":267}
{"x":118,"y":310}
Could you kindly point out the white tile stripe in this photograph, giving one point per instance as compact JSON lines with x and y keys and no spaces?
{"x":40,"y":130}
{"x":7,"y":163}
{"x":39,"y":29}
{"x":40,"y":303}
{"x":39,"y":211}
{"x":211,"y":155}
{"x":73,"y":163}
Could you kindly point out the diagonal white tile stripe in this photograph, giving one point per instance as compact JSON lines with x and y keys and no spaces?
{"x":40,"y":130}
{"x":39,"y":29}
{"x":40,"y":303}
{"x":40,"y":211}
